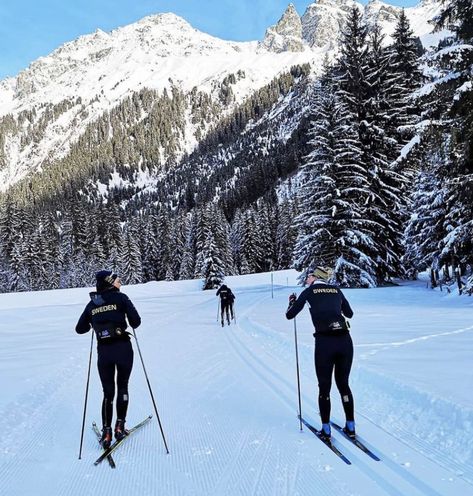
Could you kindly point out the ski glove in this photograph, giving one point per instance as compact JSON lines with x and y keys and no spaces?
{"x":292,"y":298}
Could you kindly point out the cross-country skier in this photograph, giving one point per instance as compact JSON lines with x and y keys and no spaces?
{"x":226,"y":302}
{"x":107,"y":312}
{"x":333,"y":344}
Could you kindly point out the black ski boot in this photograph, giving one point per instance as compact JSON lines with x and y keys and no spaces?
{"x":325,"y":433}
{"x":120,"y":431}
{"x":106,"y":439}
{"x":349,"y":429}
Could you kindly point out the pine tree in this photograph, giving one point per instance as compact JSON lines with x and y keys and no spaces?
{"x":187,"y":265}
{"x":130,"y":256}
{"x":212,"y":265}
{"x":334,"y":188}
{"x":286,"y":234}
{"x":424,"y":230}
{"x":449,"y":141}
{"x":209,"y":263}
{"x":403,"y":79}
{"x":251,"y":246}
{"x":361,"y":77}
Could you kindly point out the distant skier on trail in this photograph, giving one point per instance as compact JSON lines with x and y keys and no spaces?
{"x":226,"y":303}
{"x":333,"y":344}
{"x":107,"y":313}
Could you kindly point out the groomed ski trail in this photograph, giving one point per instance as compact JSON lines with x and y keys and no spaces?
{"x":227,"y":399}
{"x":265,"y":351}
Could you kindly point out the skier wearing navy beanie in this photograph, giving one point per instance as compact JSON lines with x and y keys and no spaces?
{"x":107,"y":313}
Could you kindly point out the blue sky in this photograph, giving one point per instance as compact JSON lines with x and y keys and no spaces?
{"x":33,"y":28}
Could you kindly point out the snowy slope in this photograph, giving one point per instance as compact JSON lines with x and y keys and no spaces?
{"x":419,"y":18}
{"x":227,"y":397}
{"x":94,"y":73}
{"x":97,"y":71}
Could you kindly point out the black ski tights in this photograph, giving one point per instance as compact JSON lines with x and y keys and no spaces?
{"x":113,"y":357}
{"x":334,"y":353}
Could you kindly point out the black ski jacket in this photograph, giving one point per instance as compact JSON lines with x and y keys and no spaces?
{"x":109,"y":309}
{"x":328,"y":308}
{"x":225,"y":294}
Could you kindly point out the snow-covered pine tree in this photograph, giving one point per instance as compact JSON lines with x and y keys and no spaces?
{"x":18,"y":274}
{"x":212,"y":265}
{"x":209,"y":264}
{"x":402,"y":113}
{"x":20,"y":228}
{"x":81,"y":270}
{"x":425,"y":227}
{"x":360,"y":84}
{"x":333,"y":230}
{"x":131,"y":270}
{"x":268,"y":220}
{"x":236,"y":243}
{"x":448,"y":107}
{"x":286,"y":233}
{"x":110,"y":233}
{"x":222,"y":238}
{"x":34,"y":260}
{"x":177,"y":245}
{"x":65,"y":252}
{"x":187,"y":265}
{"x":50,"y":252}
{"x":150,"y":247}
{"x":251,"y":249}
{"x":387,"y":206}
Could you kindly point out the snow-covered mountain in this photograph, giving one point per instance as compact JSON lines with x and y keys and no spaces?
{"x":324,"y":20}
{"x":286,"y":35}
{"x":95,"y":72}
{"x":46,"y":108}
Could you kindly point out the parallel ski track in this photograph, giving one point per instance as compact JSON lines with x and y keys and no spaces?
{"x":239,"y":462}
{"x":458,"y":467}
{"x":285,"y":391}
{"x":179,"y":475}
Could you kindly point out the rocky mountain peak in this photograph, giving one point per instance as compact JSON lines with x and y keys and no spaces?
{"x":324,"y":20}
{"x":286,"y":35}
{"x":380,"y":12}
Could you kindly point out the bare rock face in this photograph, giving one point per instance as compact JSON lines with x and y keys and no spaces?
{"x":324,"y":20}
{"x":286,"y":35}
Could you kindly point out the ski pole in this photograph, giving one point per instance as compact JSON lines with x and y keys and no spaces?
{"x":298,"y":378}
{"x":218,"y":308}
{"x":86,"y":395}
{"x":151,"y":392}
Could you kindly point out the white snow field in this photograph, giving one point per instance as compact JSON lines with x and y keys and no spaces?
{"x":227,"y":397}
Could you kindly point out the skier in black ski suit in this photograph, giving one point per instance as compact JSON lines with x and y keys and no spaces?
{"x":333,"y":344}
{"x":107,"y":313}
{"x":226,"y":302}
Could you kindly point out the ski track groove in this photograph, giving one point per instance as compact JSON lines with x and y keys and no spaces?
{"x":457,"y":467}
{"x":238,"y":346}
{"x":237,"y":469}
{"x":251,"y":360}
{"x":183,"y":472}
{"x":421,"y":446}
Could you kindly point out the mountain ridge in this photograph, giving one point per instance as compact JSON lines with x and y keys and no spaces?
{"x":48,"y":106}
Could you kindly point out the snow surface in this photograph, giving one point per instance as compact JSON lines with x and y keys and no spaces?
{"x":227,"y":397}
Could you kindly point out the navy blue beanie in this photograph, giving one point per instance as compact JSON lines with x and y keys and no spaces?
{"x":105,"y":279}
